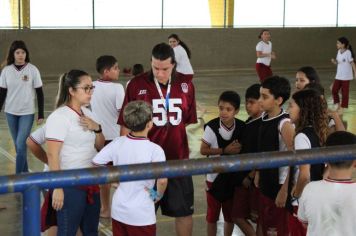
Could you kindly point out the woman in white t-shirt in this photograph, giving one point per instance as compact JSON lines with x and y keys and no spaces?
{"x":73,"y":137}
{"x":18,"y":82}
{"x":182,"y":54}
{"x":264,"y":55}
{"x":345,"y":66}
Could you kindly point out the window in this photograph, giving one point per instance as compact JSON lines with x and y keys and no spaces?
{"x":301,"y":13}
{"x":347,"y":16}
{"x":177,"y":13}
{"x":258,"y":13}
{"x":61,"y":14}
{"x":128,"y":13}
{"x":186,"y":13}
{"x":6,"y":20}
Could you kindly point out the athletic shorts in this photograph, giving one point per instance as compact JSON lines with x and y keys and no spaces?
{"x":245,"y":203}
{"x":214,"y":207}
{"x":121,"y":229}
{"x":178,"y":199}
{"x":296,"y":228}
{"x":263,"y":71}
{"x":273,"y":219}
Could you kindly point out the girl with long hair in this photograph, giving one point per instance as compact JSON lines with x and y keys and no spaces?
{"x":18,"y":82}
{"x":345,"y":66}
{"x":308,"y":112}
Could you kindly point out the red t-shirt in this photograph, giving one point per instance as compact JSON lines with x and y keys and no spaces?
{"x":168,"y":130}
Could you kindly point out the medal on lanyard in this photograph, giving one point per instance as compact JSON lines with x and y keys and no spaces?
{"x":165,"y":100}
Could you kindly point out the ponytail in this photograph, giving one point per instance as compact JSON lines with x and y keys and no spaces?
{"x":66,"y":81}
{"x":63,"y":93}
{"x":186,"y":49}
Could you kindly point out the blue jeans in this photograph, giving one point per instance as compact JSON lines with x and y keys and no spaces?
{"x":77,"y":212}
{"x":20,"y":129}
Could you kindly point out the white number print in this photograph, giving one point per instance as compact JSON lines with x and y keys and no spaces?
{"x":160,"y":114}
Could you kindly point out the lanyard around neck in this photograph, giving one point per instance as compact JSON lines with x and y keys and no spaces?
{"x":164,"y":100}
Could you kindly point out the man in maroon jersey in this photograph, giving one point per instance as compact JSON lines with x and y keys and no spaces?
{"x":173,"y":99}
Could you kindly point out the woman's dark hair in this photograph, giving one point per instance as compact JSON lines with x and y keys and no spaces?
{"x":17,"y":44}
{"x":310,"y":73}
{"x":180,"y":42}
{"x":66,"y":81}
{"x":261,"y":32}
{"x":317,"y":87}
{"x":347,"y":44}
{"x":312,"y":112}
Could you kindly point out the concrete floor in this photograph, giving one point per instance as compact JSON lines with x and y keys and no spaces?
{"x":209,"y":85}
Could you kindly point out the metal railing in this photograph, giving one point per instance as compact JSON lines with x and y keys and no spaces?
{"x":30,"y":184}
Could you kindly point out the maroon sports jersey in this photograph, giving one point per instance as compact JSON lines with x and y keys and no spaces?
{"x":168,"y":130}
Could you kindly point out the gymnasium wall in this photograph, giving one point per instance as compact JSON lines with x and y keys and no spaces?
{"x":56,"y":51}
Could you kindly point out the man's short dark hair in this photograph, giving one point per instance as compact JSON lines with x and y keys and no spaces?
{"x":278,"y":86}
{"x":105,"y":62}
{"x":231,"y":97}
{"x":253,"y":91}
{"x":162,"y":52}
{"x":341,"y":138}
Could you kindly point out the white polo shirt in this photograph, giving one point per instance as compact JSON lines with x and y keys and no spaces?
{"x":39,"y":136}
{"x":329,"y":208}
{"x":20,"y":85}
{"x":183,"y":62}
{"x":78,"y":144}
{"x":106,"y":103}
{"x":344,"y":68}
{"x":264,"y":48}
{"x":131,"y":203}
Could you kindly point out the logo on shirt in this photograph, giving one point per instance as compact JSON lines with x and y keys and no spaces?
{"x":25,"y":78}
{"x":184,"y":87}
{"x":142,"y":92}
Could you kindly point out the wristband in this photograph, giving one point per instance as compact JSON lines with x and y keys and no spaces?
{"x":295,"y":199}
{"x":154,"y":195}
{"x":99,"y":130}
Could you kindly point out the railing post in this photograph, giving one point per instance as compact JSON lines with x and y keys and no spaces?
{"x":31,"y":212}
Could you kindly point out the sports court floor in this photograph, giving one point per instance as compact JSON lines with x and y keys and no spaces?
{"x":209,"y":85}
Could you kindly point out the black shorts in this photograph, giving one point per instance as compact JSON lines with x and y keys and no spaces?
{"x":178,"y":199}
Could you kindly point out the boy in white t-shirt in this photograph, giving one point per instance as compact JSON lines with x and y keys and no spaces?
{"x":106,"y":103}
{"x":133,"y":209}
{"x":328,"y":207}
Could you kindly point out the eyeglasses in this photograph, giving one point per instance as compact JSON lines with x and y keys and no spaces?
{"x":87,"y":89}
